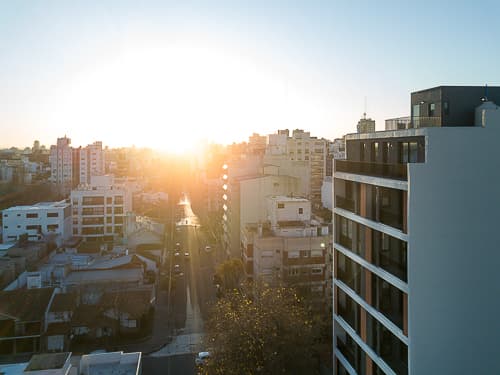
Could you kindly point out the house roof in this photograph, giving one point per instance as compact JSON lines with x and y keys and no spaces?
{"x":90,"y":316}
{"x":63,"y":302}
{"x":118,"y":275}
{"x":47,"y":361}
{"x":61,"y":328}
{"x":135,"y":303}
{"x":27,"y":305}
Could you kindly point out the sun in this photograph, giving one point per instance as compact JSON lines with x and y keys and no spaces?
{"x":171,"y":97}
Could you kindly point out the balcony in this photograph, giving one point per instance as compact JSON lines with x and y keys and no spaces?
{"x":393,"y":171}
{"x":401,"y":123}
{"x":344,"y":203}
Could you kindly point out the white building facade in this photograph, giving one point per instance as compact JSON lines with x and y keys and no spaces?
{"x":92,"y":161}
{"x":37,"y":221}
{"x":100,"y":209}
{"x":61,"y":165}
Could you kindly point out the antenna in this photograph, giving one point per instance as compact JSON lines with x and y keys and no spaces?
{"x":486,"y":92}
{"x":364,"y":113}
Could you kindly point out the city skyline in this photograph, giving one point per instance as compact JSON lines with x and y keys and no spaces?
{"x":154,"y":74}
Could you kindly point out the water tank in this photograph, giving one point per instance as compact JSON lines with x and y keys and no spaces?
{"x":486,"y":114}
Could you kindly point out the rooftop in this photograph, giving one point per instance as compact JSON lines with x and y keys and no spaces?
{"x":27,"y":305}
{"x":116,"y":363}
{"x":41,"y":205}
{"x":47,"y":361}
{"x":282,"y":198}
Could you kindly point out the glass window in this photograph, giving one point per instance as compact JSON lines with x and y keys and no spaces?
{"x":432,"y":109}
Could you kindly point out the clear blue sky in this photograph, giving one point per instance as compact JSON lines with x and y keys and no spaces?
{"x":129,"y":72}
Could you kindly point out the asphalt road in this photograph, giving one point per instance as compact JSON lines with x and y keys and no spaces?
{"x":177,"y":364}
{"x":192,"y":293}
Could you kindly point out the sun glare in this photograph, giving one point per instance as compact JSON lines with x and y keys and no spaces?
{"x":171,"y":98}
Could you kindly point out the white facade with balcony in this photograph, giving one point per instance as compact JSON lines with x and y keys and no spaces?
{"x":91,"y":162}
{"x":99,"y":209}
{"x":37,"y":221}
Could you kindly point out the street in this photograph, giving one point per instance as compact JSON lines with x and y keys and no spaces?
{"x":191,"y":294}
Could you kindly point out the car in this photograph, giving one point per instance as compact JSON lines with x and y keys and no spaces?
{"x":202,"y":358}
{"x":176,"y":254}
{"x":208,"y":248}
{"x":177,"y":269}
{"x":177,"y":245}
{"x":186,"y":255}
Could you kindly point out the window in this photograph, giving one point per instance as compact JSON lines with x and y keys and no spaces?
{"x":316,"y":271}
{"x":5,"y":227}
{"x":293,"y":254}
{"x":267,"y":254}
{"x":109,"y":200}
{"x":375,"y":151}
{"x":432,"y":109}
{"x":52,"y":227}
{"x":301,"y":210}
{"x":281,"y":205}
{"x":316,"y":253}
{"x":293,"y":272}
{"x":304,"y":253}
{"x":31,"y":216}
{"x":52,"y":214}
{"x":446,"y":108}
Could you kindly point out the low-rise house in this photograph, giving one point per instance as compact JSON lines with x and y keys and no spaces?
{"x":22,"y":319}
{"x":41,"y":364}
{"x":59,"y":317}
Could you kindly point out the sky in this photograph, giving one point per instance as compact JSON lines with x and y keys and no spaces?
{"x":172,"y":75}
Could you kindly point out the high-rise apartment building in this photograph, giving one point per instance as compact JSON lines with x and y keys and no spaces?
{"x":415,"y":258}
{"x":61,"y":165}
{"x":91,"y":162}
{"x":301,"y":146}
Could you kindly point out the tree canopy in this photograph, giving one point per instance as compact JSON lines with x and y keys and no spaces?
{"x":267,"y":332}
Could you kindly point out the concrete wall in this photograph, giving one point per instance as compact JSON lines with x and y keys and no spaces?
{"x":454,"y":278}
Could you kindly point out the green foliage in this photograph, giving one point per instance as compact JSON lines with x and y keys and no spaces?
{"x":268,"y":333}
{"x":229,"y":274}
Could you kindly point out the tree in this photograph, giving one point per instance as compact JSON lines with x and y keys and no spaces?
{"x":229,"y":274}
{"x":269,"y":332}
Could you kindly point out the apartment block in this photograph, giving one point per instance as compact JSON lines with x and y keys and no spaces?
{"x":99,"y":209}
{"x":37,"y":221}
{"x":61,"y":165}
{"x":415,"y":261}
{"x":301,"y":146}
{"x":91,"y":162}
{"x":289,"y":247}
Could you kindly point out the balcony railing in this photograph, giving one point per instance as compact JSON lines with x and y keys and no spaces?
{"x":415,"y":122}
{"x":394,"y":171}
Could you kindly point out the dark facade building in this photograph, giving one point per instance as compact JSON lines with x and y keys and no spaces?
{"x":415,"y":258}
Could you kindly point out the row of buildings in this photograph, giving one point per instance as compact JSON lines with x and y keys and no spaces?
{"x":94,"y":212}
{"x":409,"y":259}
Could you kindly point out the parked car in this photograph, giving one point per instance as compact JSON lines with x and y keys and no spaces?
{"x":208,"y":249}
{"x":177,"y":269}
{"x":176,"y":254}
{"x":202,"y":358}
{"x":186,"y":255}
